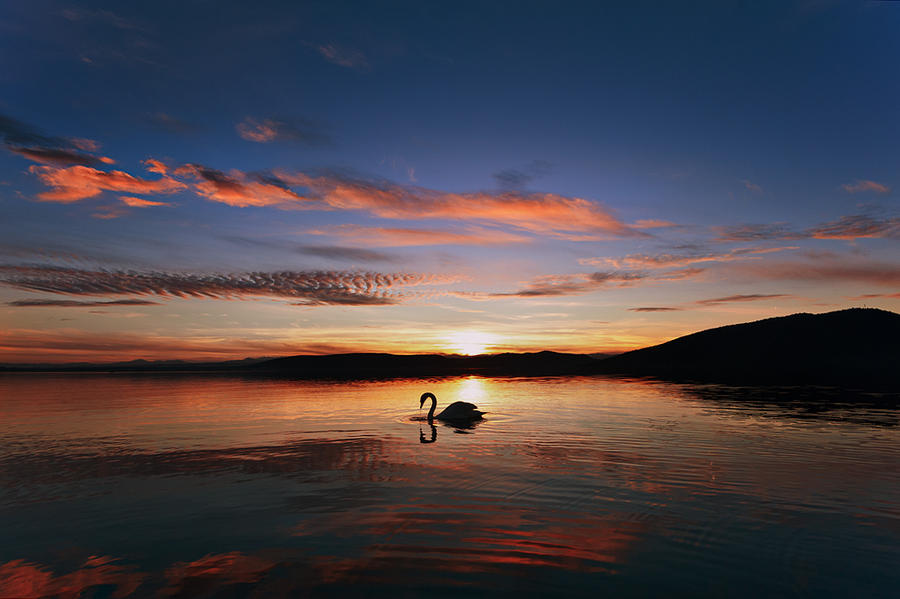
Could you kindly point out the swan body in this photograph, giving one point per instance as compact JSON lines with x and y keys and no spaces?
{"x":458,"y":411}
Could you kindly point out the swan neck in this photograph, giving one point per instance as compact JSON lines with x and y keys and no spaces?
{"x":433,"y":406}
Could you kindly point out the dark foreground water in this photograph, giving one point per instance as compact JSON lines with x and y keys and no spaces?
{"x":115,"y":486}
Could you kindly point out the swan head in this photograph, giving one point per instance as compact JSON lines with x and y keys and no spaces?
{"x":423,"y":398}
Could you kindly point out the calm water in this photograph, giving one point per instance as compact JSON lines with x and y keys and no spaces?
{"x":115,"y":486}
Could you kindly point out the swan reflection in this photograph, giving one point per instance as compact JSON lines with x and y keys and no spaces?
{"x":432,"y":439}
{"x":460,"y":428}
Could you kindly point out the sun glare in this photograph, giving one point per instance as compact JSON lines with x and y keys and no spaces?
{"x":469,"y":343}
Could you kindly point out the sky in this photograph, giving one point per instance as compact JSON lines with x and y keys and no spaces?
{"x":210,"y":180}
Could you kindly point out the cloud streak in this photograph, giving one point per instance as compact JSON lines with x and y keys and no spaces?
{"x":403,"y":237}
{"x":666,"y":260}
{"x":861,"y":185}
{"x":26,"y":141}
{"x":281,"y":130}
{"x":580,"y":283}
{"x":52,"y":303}
{"x":853,"y":226}
{"x":311,"y":288}
{"x":342,"y":56}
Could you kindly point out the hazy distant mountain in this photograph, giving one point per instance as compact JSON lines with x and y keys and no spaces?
{"x":857,"y":347}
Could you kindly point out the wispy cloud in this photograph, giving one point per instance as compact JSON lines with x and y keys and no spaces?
{"x":282,"y":130}
{"x":752,"y":186}
{"x":755,"y":232}
{"x":515,"y":178}
{"x":861,"y":185}
{"x":401,"y":237}
{"x":728,"y":299}
{"x":307,"y":288}
{"x":854,"y":226}
{"x":53,"y":303}
{"x":105,"y":17}
{"x":171,"y":124}
{"x":343,"y":56}
{"x":344,"y":254}
{"x":875,"y":296}
{"x":653,"y":223}
{"x":27,"y":141}
{"x":654,"y":309}
{"x":580,"y":283}
{"x":666,"y":260}
{"x":857,"y":226}
{"x":874,"y":273}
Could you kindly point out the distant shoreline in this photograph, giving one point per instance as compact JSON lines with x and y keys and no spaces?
{"x":854,"y":349}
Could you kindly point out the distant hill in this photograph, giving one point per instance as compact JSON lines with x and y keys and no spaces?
{"x":342,"y":366}
{"x":856,"y":348}
{"x":859,"y":347}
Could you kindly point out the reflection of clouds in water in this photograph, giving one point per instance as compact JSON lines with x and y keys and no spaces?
{"x":20,"y":578}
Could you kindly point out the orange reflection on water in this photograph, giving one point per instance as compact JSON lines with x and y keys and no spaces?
{"x":22,"y":579}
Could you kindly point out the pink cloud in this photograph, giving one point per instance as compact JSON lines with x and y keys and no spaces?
{"x":752,"y":186}
{"x":857,"y":227}
{"x":677,"y":260}
{"x":861,"y":185}
{"x":259,"y":131}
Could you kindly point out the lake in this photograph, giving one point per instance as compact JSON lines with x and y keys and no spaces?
{"x":203,"y":486}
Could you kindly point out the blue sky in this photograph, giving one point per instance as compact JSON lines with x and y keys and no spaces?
{"x":538,"y":173}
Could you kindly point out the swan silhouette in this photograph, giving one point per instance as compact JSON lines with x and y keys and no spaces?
{"x":458,"y":411}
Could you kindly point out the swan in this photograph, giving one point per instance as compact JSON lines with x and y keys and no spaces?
{"x":458,"y":411}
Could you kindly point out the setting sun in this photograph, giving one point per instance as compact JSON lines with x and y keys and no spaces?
{"x":469,"y":343}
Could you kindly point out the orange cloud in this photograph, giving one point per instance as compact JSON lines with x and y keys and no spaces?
{"x":401,"y":237}
{"x":155,"y":166}
{"x":139,"y":203}
{"x":861,"y":185}
{"x":239,"y":189}
{"x":545,"y":213}
{"x":79,"y":182}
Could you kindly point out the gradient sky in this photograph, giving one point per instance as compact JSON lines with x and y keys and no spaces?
{"x":204,"y":181}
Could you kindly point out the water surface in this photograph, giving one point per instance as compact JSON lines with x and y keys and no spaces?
{"x":187,"y":486}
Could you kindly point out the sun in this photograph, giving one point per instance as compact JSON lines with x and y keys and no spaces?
{"x":469,"y":343}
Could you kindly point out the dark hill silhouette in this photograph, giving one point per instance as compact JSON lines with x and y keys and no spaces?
{"x":346,"y":366}
{"x":859,"y":347}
